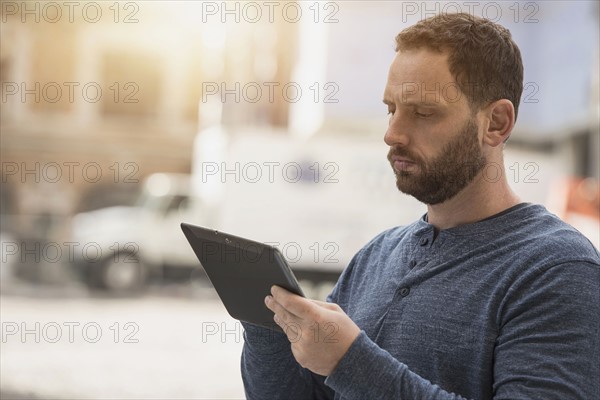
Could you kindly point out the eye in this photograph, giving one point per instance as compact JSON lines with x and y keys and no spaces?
{"x":423,"y":115}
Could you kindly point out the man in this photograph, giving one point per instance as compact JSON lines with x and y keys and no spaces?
{"x":485,"y":296}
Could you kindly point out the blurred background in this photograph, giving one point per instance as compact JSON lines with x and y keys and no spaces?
{"x":120,"y":120}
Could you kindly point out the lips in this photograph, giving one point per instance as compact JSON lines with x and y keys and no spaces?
{"x":402,"y":159}
{"x":403,"y":165}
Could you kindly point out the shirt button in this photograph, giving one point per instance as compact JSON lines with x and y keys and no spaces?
{"x":412,"y":264}
{"x":404,"y":291}
{"x":424,"y":241}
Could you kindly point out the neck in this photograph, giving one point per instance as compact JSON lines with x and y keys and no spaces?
{"x":477,"y":201}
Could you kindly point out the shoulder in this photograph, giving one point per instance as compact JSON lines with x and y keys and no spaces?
{"x":545,"y":238}
{"x":550,"y":259}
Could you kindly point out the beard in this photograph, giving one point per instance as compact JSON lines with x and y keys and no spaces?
{"x":435,"y":181}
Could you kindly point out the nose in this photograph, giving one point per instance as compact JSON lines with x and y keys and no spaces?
{"x":396,"y":134}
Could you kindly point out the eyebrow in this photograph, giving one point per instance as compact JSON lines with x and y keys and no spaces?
{"x":414,"y":103}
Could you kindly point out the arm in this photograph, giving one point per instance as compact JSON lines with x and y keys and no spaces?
{"x":548,"y":345}
{"x":368,"y":372}
{"x":326,"y":341}
{"x":269,"y":370}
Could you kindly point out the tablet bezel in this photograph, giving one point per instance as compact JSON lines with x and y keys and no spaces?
{"x":275,"y":270}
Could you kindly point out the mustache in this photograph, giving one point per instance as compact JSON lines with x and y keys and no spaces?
{"x":402,"y":152}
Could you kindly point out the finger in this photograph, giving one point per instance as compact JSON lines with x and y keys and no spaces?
{"x":280,"y":311}
{"x":288,"y":322}
{"x":297,"y":305}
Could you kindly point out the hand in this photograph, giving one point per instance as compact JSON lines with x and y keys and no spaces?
{"x":320,"y":332}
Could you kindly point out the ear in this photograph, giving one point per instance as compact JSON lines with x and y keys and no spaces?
{"x":500,"y":120}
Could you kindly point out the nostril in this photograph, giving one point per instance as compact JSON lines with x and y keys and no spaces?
{"x":395,"y":138}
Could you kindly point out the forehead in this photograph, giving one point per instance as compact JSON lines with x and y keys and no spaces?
{"x":421,"y":76}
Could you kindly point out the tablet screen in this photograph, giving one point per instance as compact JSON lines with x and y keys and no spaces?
{"x":242,"y":272}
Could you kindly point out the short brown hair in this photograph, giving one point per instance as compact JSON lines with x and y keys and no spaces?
{"x":483,"y":59}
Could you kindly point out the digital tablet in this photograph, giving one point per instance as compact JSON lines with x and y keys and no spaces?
{"x":242,"y":272}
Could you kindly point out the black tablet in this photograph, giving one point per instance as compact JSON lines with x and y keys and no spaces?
{"x":242,"y":272}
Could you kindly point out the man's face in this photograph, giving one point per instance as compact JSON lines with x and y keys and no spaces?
{"x":434,"y":139}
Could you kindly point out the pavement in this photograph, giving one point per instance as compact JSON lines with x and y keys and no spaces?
{"x":170,"y":343}
{"x":7,"y":395}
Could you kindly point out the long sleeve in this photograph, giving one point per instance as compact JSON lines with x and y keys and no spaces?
{"x":548,"y":347}
{"x":549,"y":344}
{"x":269,"y":370}
{"x":368,"y":372}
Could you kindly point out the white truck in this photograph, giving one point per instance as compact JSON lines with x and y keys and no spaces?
{"x":318,"y":199}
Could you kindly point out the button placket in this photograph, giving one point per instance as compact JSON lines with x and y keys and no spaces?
{"x":425,"y":239}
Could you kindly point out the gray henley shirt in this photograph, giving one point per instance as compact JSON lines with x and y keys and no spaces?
{"x":505,"y":308}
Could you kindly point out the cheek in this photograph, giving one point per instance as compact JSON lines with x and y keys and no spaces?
{"x":428,"y":144}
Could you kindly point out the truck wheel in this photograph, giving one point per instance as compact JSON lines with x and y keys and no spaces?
{"x":122,"y":274}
